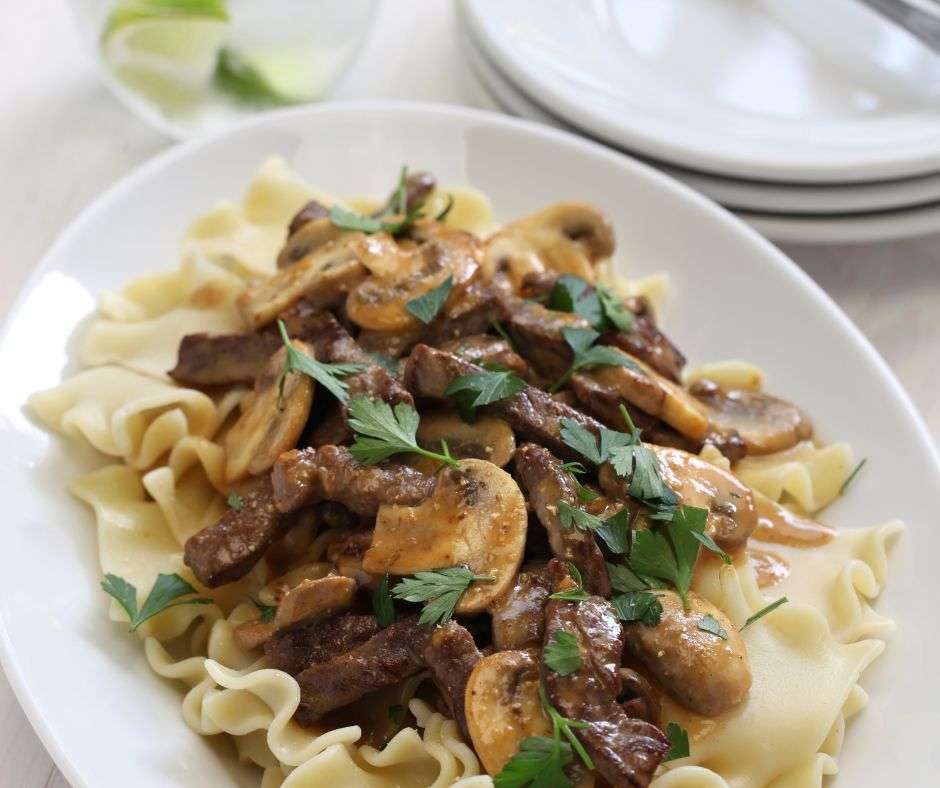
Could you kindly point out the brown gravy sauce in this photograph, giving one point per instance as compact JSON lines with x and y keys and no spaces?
{"x":781,"y":526}
{"x":769,"y":568}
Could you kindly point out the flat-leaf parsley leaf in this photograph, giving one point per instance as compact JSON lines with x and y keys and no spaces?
{"x":166,"y":593}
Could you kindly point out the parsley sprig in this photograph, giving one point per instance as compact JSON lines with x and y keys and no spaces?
{"x":576,"y":594}
{"x":679,"y":738}
{"x":563,"y":653}
{"x":576,"y":469}
{"x":598,"y":305}
{"x":587,"y":354}
{"x":615,"y":530}
{"x":266,"y":612}
{"x":382,"y":432}
{"x":398,"y":204}
{"x":166,"y":593}
{"x":641,"y":606}
{"x":440,"y":589}
{"x":482,"y":388}
{"x":426,"y":306}
{"x":764,"y":611}
{"x":708,"y":623}
{"x":382,"y":604}
{"x":234,"y":501}
{"x":327,"y":375}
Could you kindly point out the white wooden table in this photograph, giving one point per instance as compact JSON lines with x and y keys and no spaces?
{"x":64,"y":139}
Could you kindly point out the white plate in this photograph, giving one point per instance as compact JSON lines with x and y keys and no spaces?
{"x":787,"y":90}
{"x":84,"y":683}
{"x":762,"y":206}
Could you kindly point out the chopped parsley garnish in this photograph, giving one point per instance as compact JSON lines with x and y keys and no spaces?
{"x":382,"y":432}
{"x":447,"y":208}
{"x":708,"y":623}
{"x":573,"y":516}
{"x":349,"y":220}
{"x":382,"y":604}
{"x":539,"y":763}
{"x":639,"y":606}
{"x":425,"y":307}
{"x":764,"y":611}
{"x":327,"y":375}
{"x":500,"y":329}
{"x":598,"y":305}
{"x":566,"y":725}
{"x":616,"y":532}
{"x":481,"y":388}
{"x":267,"y":612}
{"x":166,"y":593}
{"x":439,"y":589}
{"x":709,"y":544}
{"x":234,"y":501}
{"x":587,"y":354}
{"x":396,"y":713}
{"x":575,"y":469}
{"x":576,"y":594}
{"x":563,"y":653}
{"x":622,"y":578}
{"x":670,"y":550}
{"x":679,"y":738}
{"x":852,"y":475}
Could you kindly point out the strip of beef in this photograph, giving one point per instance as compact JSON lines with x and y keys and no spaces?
{"x":532,"y":413}
{"x":296,"y":649}
{"x":537,"y":331}
{"x":418,"y":186}
{"x":451,"y":654}
{"x":228,"y":550}
{"x":548,"y":485}
{"x":330,"y":473}
{"x":518,"y":616}
{"x":626,"y":751}
{"x":487,"y":349}
{"x":389,"y":656}
{"x":217,"y":360}
{"x":310,"y":211}
{"x":644,"y":340}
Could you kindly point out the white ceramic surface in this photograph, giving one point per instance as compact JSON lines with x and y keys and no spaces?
{"x":84,"y":683}
{"x":764,"y":205}
{"x":788,"y":90}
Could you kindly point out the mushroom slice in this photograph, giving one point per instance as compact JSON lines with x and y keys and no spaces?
{"x":310,"y":235}
{"x":487,"y":438}
{"x":639,"y":385}
{"x":322,"y":278}
{"x":704,"y":672}
{"x":567,"y":237}
{"x":475,"y":516}
{"x":502,"y":707}
{"x":406,"y":270}
{"x":732,"y":515}
{"x":266,"y":428}
{"x":765,"y":423}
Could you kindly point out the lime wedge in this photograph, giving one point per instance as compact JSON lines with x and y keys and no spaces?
{"x":165,"y":47}
{"x":282,"y":75}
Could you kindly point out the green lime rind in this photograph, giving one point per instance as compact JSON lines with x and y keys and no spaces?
{"x":236,"y":76}
{"x":131,"y":12}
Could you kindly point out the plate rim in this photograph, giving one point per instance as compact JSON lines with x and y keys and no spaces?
{"x":729,"y":222}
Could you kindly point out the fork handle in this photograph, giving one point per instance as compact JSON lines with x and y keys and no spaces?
{"x":919,"y":17}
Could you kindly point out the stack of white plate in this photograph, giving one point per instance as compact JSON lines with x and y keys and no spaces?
{"x":816,"y":122}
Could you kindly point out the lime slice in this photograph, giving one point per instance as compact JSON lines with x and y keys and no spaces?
{"x":282,"y":75}
{"x":165,"y":47}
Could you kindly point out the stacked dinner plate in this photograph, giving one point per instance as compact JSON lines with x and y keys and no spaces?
{"x":816,"y":122}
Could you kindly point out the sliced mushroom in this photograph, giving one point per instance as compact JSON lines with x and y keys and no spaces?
{"x":421,"y":262}
{"x":502,"y":707}
{"x":303,"y":604}
{"x":567,"y":237}
{"x":651,"y":392}
{"x":732,"y":516}
{"x":704,"y":672}
{"x":312,"y":233}
{"x":487,"y":438}
{"x":765,"y":423}
{"x":323,"y":278}
{"x":475,"y":516}
{"x":265,"y":429}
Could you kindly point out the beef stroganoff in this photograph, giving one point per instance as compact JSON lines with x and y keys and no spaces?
{"x":404,"y":498}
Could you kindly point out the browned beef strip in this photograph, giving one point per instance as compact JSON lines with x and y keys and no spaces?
{"x":487,"y":349}
{"x":451,"y":654}
{"x":548,"y":485}
{"x":471,"y":311}
{"x":532,"y":413}
{"x":392,"y":654}
{"x":639,"y":697}
{"x":418,"y":186}
{"x":331,"y":473}
{"x":312,"y":210}
{"x":228,"y":550}
{"x":537,"y":332}
{"x":207,"y":360}
{"x":296,"y":649}
{"x":626,"y":751}
{"x":518,"y":616}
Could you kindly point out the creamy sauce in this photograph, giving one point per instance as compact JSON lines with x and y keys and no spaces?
{"x":781,"y":526}
{"x":769,"y":567}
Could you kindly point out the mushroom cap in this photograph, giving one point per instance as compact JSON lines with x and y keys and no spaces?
{"x":502,"y":706}
{"x":308,"y":238}
{"x":475,"y":516}
{"x":264,"y":429}
{"x":487,"y":438}
{"x":406,"y":270}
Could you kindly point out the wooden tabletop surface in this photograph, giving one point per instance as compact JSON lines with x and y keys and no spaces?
{"x":64,"y":139}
